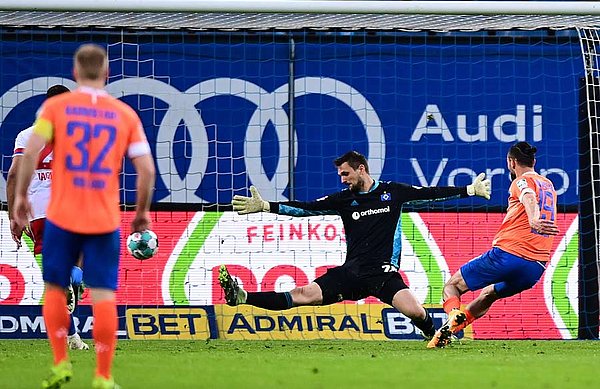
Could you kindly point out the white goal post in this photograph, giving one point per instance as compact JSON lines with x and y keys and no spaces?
{"x":132,"y":28}
{"x":313,"y":6}
{"x":296,"y":14}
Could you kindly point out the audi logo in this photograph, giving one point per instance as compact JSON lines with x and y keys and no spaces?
{"x":182,"y":108}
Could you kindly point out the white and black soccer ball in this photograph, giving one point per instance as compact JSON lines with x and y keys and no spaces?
{"x":142,"y":245}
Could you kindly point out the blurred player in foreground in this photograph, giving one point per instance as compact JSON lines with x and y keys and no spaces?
{"x":39,"y":195}
{"x":370,"y":211}
{"x":520,"y":250}
{"x":90,"y":132}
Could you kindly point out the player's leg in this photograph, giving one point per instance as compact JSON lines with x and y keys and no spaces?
{"x":325,"y":290}
{"x":57,"y":260}
{"x":485,"y":270}
{"x":396,"y":293}
{"x":455,"y":287}
{"x":479,"y":307}
{"x":474,"y":275}
{"x":278,"y":301}
{"x":236,"y":295}
{"x":521,"y":274}
{"x":73,"y":339}
{"x":101,"y":262}
{"x":275,"y":301}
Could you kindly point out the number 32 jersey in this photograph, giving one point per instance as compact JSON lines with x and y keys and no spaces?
{"x":90,"y":132}
{"x":515,"y":235}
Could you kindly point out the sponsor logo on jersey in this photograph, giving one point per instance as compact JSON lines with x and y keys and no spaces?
{"x":369,"y":212}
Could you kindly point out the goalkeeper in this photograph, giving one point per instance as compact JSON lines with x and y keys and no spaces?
{"x":370,"y":211}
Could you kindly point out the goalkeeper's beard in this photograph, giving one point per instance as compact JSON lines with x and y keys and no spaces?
{"x":359,"y":186}
{"x":513,"y":176}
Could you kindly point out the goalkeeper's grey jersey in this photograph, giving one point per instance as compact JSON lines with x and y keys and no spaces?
{"x":371,"y":219}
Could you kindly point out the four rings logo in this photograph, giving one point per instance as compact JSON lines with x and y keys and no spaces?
{"x":182,"y":108}
{"x":357,"y":215}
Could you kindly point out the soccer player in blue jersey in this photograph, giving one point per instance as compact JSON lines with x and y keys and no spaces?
{"x":91,"y":132}
{"x":520,"y":250}
{"x":370,"y":211}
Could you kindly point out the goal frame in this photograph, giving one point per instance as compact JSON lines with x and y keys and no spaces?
{"x":519,"y":15}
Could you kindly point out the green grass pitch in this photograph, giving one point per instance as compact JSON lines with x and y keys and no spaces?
{"x":318,"y":364}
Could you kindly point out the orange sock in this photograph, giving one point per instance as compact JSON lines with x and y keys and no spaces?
{"x":105,"y":335}
{"x":57,"y":322}
{"x":451,"y":303}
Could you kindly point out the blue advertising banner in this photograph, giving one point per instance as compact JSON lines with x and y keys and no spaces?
{"x":27,"y":321}
{"x":217,"y":109}
{"x":135,"y":322}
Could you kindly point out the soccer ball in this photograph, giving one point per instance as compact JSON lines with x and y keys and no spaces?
{"x":142,"y":245}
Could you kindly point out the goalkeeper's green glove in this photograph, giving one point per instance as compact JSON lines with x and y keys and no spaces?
{"x":481,"y":187}
{"x":244,"y":205}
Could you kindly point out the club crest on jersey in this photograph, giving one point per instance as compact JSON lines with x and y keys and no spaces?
{"x":386,"y":197}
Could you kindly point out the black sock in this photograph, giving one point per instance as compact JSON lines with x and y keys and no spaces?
{"x":426,"y":325}
{"x":76,"y":293}
{"x":270,"y":300}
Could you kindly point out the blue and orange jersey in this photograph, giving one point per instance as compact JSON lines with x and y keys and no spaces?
{"x":90,"y":132}
{"x":515,"y":235}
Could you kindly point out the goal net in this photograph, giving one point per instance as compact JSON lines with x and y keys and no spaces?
{"x":233,"y":98}
{"x":589,"y":162}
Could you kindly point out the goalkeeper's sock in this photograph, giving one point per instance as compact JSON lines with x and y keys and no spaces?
{"x":273,"y":301}
{"x":451,"y":303}
{"x":105,"y":339}
{"x":425,"y":325}
{"x":56,"y":318}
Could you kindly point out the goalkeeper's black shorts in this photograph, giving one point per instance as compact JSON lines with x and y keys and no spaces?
{"x":340,"y":283}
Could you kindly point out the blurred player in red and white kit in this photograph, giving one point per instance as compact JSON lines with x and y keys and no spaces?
{"x":39,"y":195}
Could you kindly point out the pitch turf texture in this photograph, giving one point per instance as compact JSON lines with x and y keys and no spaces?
{"x":319,"y":364}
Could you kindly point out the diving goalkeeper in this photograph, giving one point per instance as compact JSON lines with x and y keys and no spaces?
{"x":370,"y":211}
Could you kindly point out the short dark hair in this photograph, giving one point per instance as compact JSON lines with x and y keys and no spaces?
{"x":354,"y":159}
{"x":523,"y":153}
{"x":56,"y":90}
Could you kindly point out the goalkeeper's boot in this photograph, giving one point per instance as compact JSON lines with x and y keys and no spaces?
{"x":59,"y":374}
{"x":104,"y":383}
{"x":75,"y":342}
{"x":234,"y":295}
{"x":71,"y":299}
